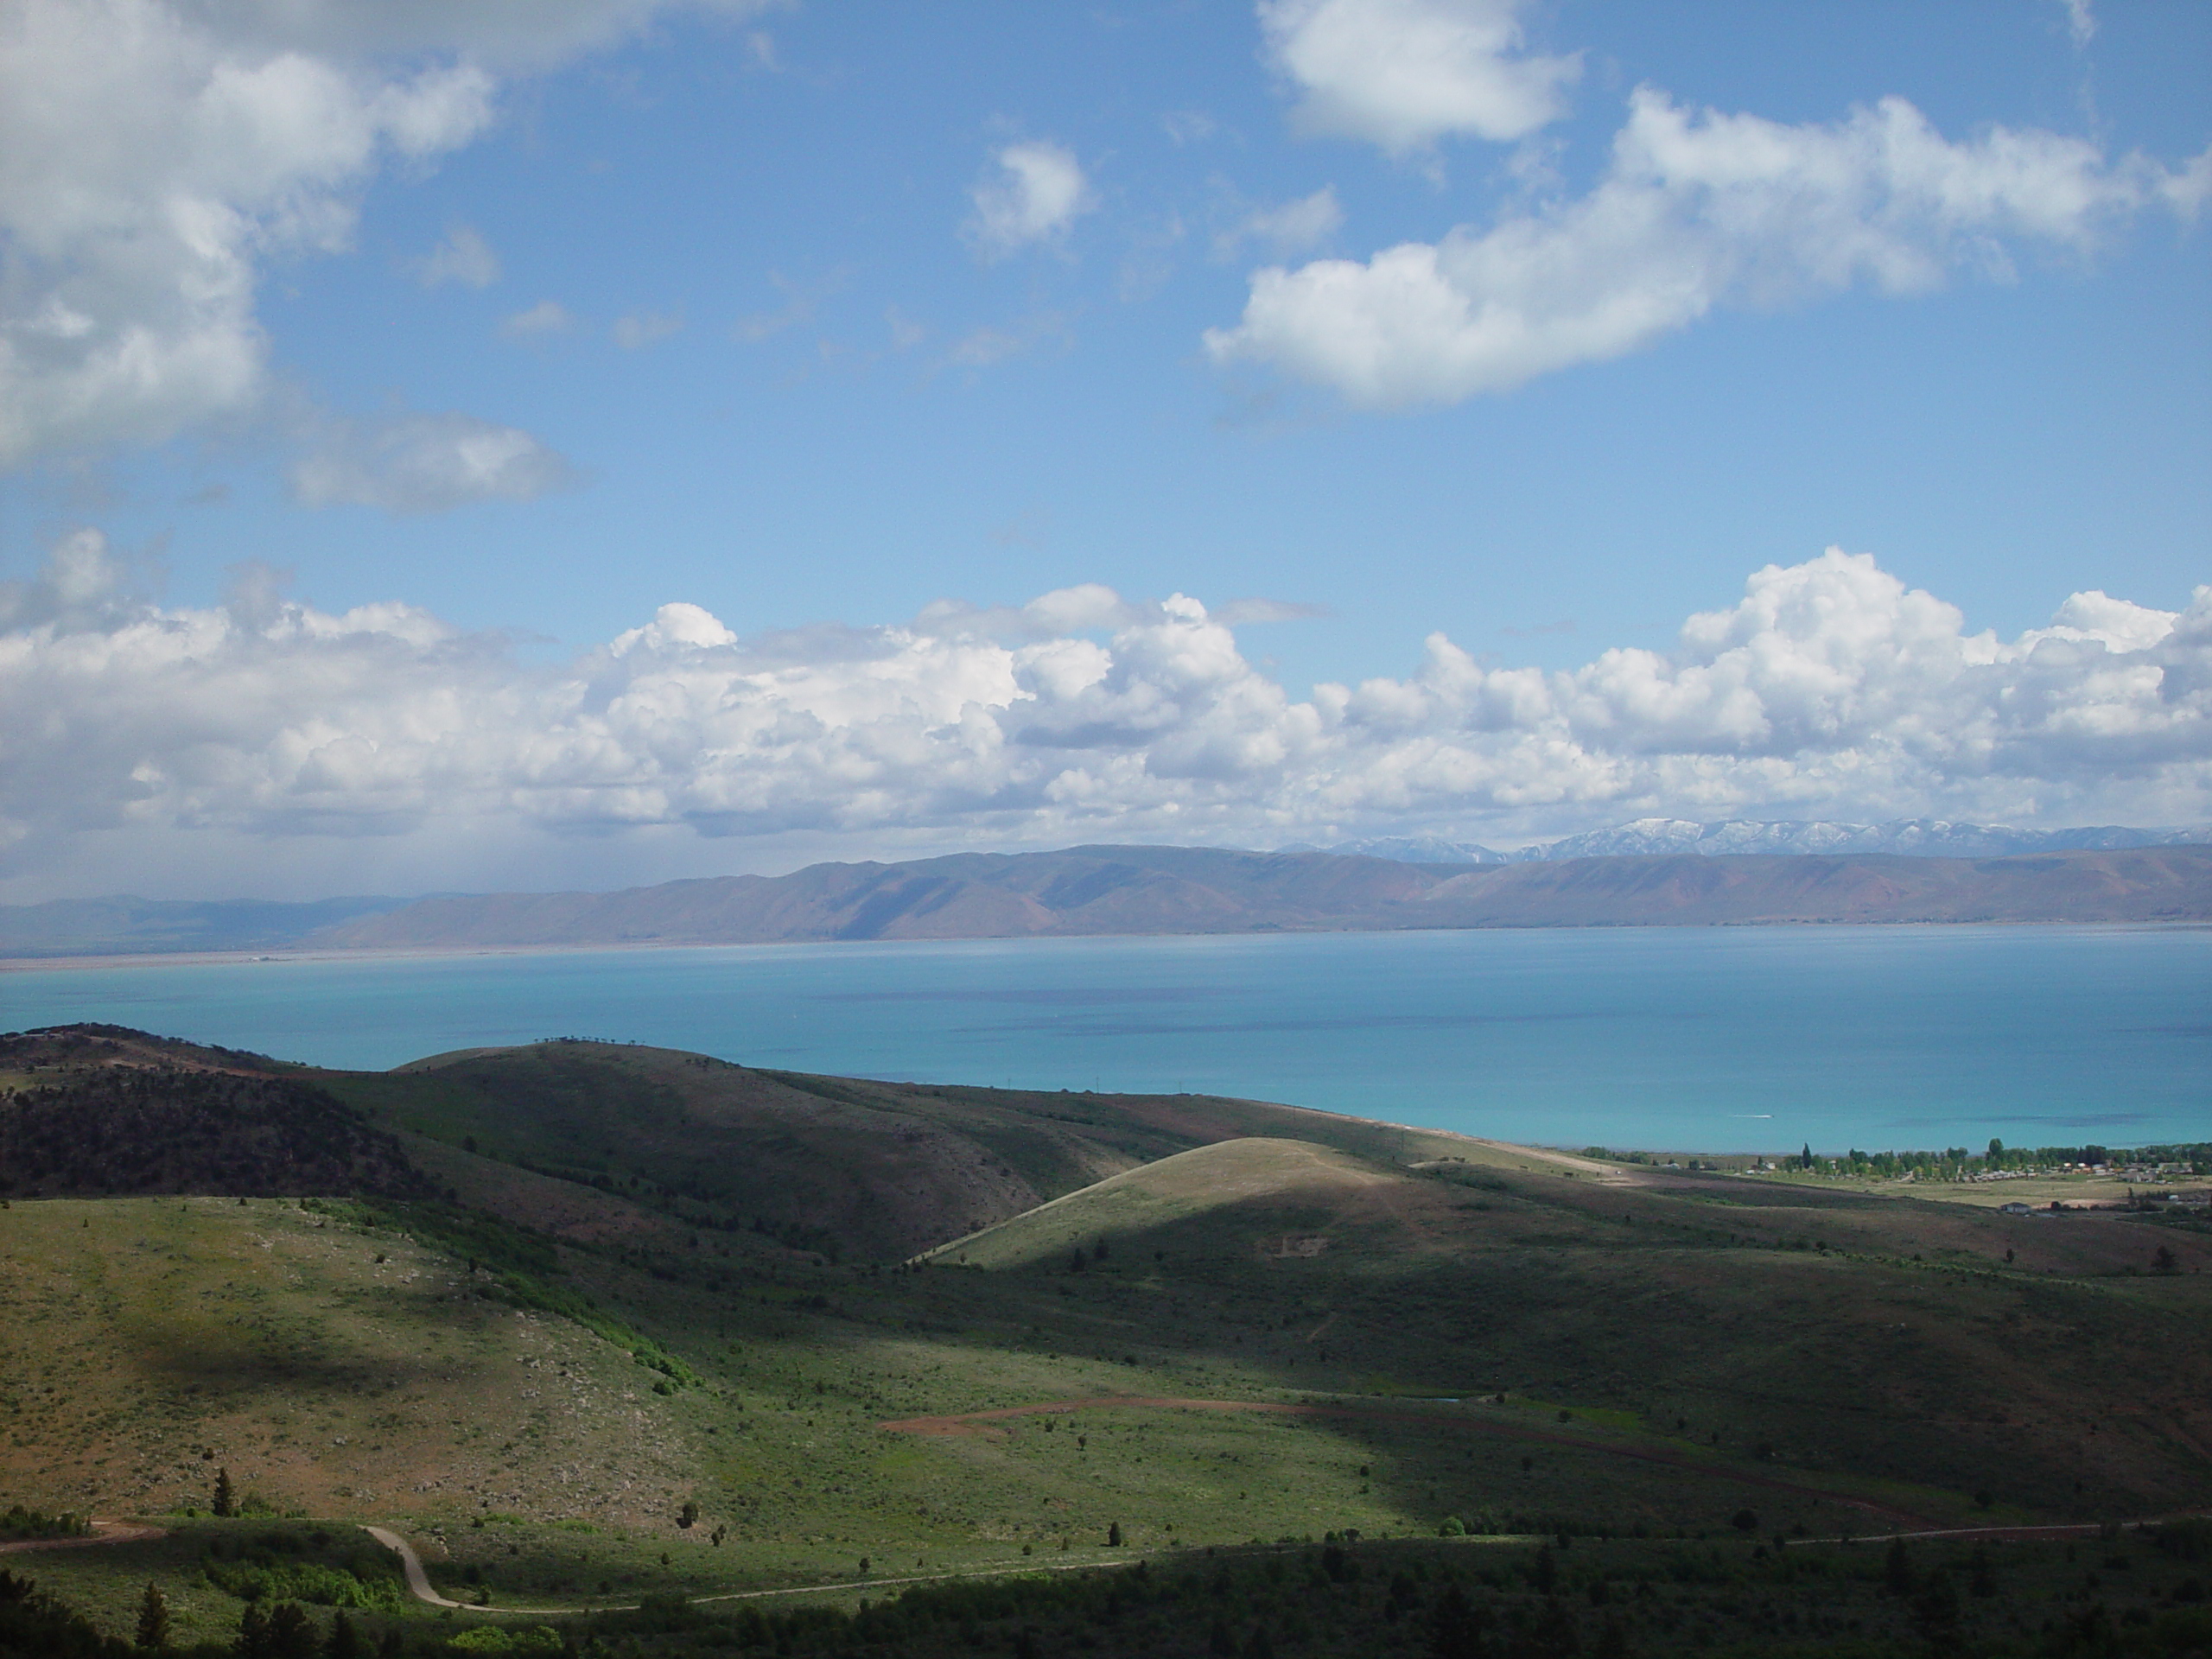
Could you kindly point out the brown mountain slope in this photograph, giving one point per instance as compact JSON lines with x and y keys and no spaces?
{"x":1138,"y":890}
{"x":100,"y":1111}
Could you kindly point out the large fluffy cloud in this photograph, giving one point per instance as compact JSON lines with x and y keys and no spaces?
{"x":1695,"y":210}
{"x":154,"y":157}
{"x":1829,"y":689}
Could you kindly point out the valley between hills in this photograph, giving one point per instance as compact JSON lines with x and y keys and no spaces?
{"x":645,"y":1352}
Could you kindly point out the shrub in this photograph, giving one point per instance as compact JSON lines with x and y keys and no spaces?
{"x":491,"y":1638}
{"x":16,"y":1521}
{"x":325,"y":1586}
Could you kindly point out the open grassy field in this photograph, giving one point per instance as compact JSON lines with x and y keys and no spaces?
{"x":1183,"y":1325}
{"x":2097,"y":1192}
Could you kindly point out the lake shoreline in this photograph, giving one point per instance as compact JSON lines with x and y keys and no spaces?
{"x":444,"y":952}
{"x":1757,"y":1039}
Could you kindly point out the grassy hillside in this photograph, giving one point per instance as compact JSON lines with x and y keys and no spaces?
{"x":1200,"y":1322}
{"x":836,"y":1164}
{"x":1292,"y":1181}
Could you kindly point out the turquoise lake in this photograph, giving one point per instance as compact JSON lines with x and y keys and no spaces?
{"x":1680,"y":1039}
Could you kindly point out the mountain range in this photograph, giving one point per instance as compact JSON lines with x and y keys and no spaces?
{"x":1167,"y":890}
{"x":1156,"y":890}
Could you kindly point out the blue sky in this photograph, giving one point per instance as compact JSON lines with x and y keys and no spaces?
{"x":496,"y":337}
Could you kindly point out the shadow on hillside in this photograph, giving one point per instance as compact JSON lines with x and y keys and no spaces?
{"x":1718,"y":1327}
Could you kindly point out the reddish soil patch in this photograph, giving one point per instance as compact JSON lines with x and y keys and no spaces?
{"x":978,"y":1422}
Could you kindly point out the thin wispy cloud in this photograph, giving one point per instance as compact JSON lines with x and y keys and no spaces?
{"x":1030,"y":195}
{"x":463,"y":256}
{"x":995,"y":343}
{"x":425,"y":463}
{"x":801,"y":301}
{"x":1295,"y":227}
{"x":546,"y":317}
{"x":2081,"y":22}
{"x":641,"y":328}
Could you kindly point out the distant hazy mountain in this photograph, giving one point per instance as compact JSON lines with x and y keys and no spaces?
{"x":1903,"y":837}
{"x":127,"y":926}
{"x":1154,"y":890}
{"x":1654,"y":872}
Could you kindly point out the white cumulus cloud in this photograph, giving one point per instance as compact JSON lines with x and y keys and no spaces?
{"x":1829,"y":689}
{"x":1403,"y":74}
{"x":1032,"y":193}
{"x":1695,"y":210}
{"x":154,"y":157}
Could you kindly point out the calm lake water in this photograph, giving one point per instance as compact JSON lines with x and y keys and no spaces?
{"x":1690,"y":1039}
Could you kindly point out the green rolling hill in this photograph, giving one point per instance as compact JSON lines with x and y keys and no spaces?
{"x":526,"y":1305}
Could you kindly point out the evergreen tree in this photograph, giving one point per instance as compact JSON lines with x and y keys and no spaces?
{"x":1937,"y":1609}
{"x":343,"y":1642}
{"x":153,"y":1618}
{"x":1897,"y":1569}
{"x":1113,"y":1534}
{"x":226,"y":1496}
{"x":291,"y":1632}
{"x":1545,"y":1572}
{"x":1554,"y":1635}
{"x":1454,"y":1630}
